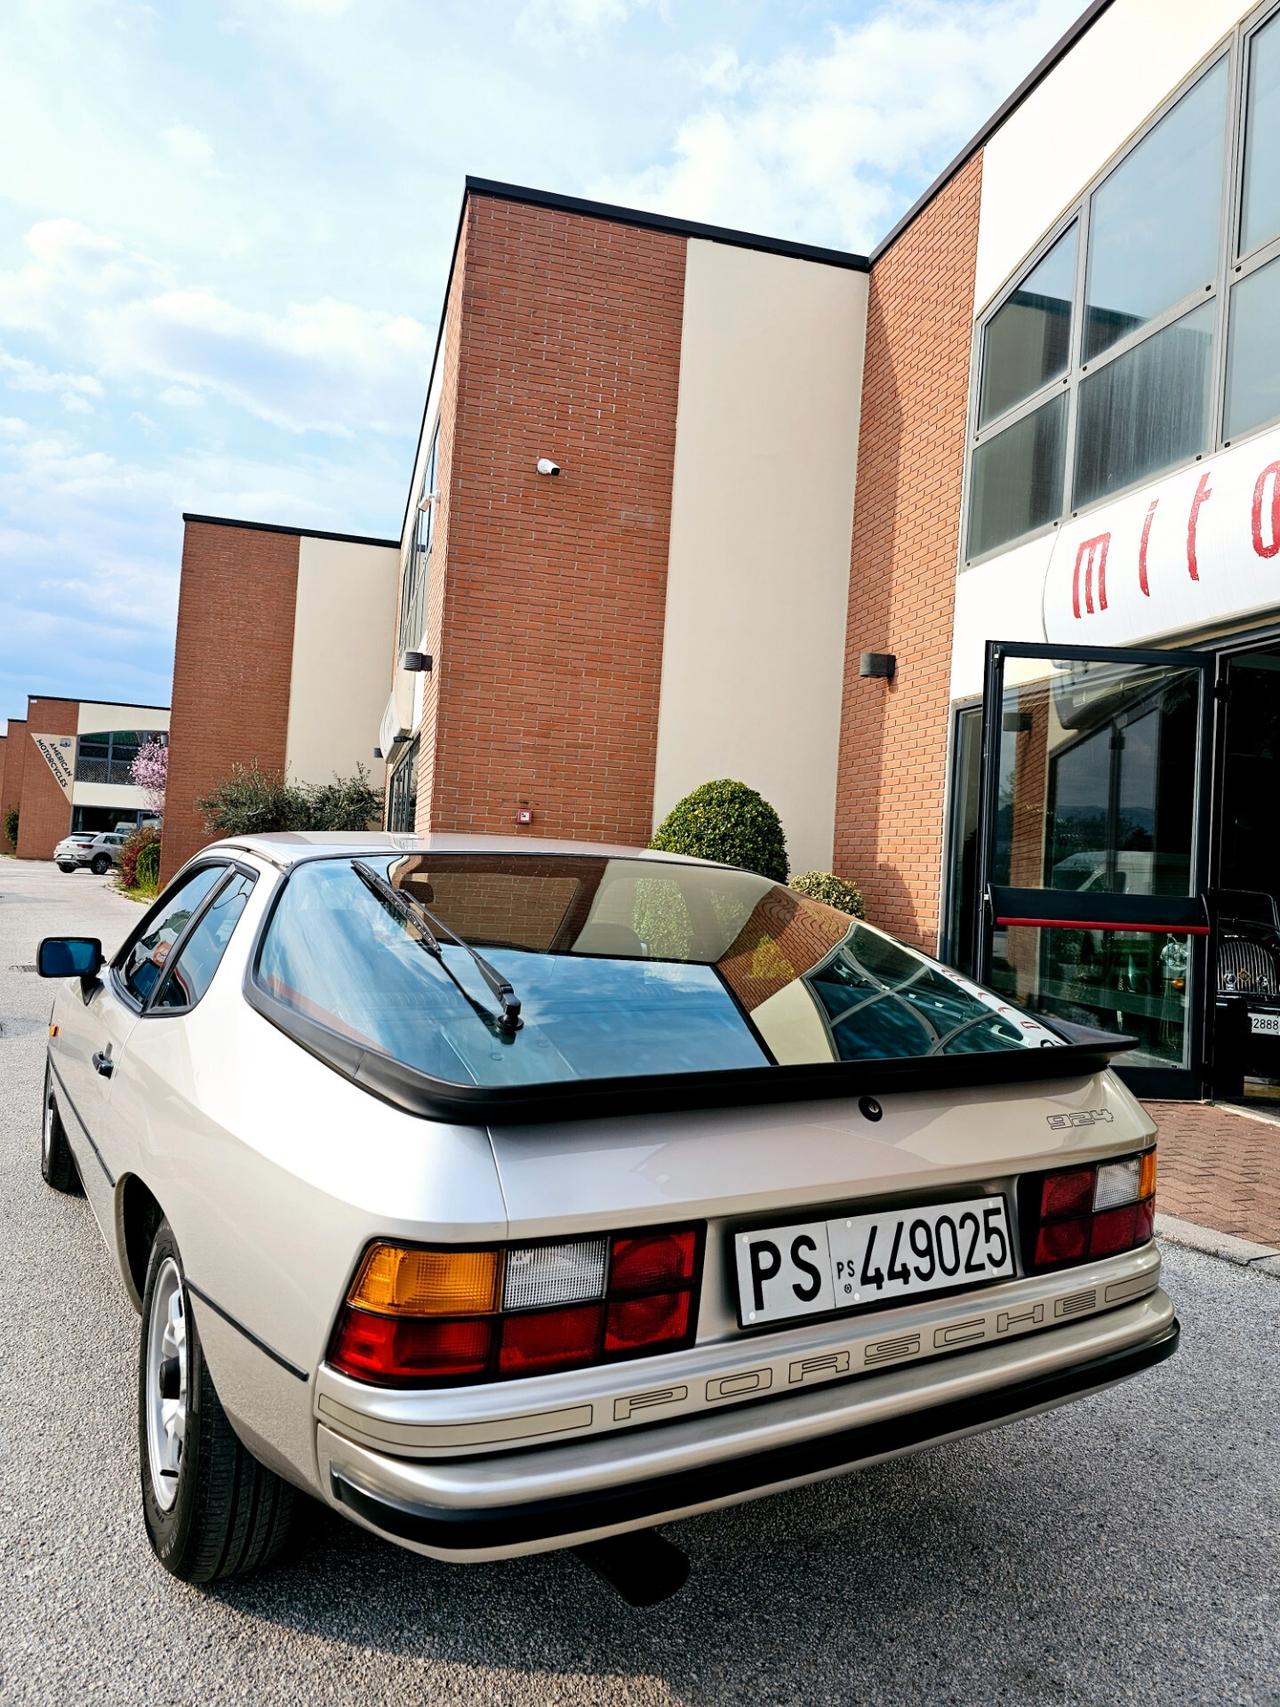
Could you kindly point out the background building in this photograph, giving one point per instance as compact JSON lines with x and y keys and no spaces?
{"x":280,"y":660}
{"x":1044,"y":413}
{"x":65,"y":766}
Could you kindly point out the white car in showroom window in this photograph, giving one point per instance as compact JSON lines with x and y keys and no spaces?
{"x":517,"y":1195}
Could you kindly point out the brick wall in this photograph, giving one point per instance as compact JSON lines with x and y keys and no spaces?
{"x":548,"y":596}
{"x":45,"y":811}
{"x":15,"y":753}
{"x":232,"y":662}
{"x":893,"y":739}
{"x":4,"y":754}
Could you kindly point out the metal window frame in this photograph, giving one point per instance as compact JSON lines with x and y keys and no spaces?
{"x":1231,"y":267}
{"x":413,"y":582}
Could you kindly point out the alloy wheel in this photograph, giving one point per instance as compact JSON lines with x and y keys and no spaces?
{"x":166,"y":1384}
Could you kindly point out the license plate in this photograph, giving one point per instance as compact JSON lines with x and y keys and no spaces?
{"x":851,"y":1261}
{"x":1264,"y":1025}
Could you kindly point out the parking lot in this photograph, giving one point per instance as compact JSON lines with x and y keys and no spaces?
{"x":1121,"y":1550}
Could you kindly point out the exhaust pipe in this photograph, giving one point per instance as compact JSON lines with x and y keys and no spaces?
{"x":643,"y":1567}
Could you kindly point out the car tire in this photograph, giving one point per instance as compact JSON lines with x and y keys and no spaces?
{"x":211,"y":1509}
{"x":68,"y":870}
{"x":57,"y":1164}
{"x":100,"y":865}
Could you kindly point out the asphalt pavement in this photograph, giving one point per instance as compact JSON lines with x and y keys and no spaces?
{"x":1124,"y":1549}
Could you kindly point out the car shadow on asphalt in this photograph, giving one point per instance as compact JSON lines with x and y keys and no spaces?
{"x":853,"y":1589}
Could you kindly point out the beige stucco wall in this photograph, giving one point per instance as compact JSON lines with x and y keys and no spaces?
{"x":1040,"y":159}
{"x":345,"y":610}
{"x":762,"y":503}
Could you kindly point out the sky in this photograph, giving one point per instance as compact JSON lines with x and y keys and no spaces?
{"x":225,"y":228}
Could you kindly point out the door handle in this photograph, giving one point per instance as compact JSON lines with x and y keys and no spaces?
{"x":104,"y":1064}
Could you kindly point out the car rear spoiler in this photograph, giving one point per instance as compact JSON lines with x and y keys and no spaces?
{"x":1082,"y":1053}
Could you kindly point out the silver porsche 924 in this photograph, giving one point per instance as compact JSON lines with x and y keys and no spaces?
{"x":517,"y":1195}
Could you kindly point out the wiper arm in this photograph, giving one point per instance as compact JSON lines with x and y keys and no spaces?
{"x":507,"y":1020}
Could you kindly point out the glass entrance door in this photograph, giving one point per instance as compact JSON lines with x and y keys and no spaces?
{"x":1094,"y":846}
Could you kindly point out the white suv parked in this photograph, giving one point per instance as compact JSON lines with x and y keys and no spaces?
{"x":99,"y":853}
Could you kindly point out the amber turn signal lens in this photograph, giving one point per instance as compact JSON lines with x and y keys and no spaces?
{"x":406,"y":1282}
{"x":1147,"y":1173}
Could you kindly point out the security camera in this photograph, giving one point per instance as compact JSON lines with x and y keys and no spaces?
{"x":546,"y":466}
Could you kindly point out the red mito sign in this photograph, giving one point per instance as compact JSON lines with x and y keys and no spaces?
{"x":1199,"y":548}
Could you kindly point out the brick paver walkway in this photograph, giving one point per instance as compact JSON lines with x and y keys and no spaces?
{"x":1220,"y":1169}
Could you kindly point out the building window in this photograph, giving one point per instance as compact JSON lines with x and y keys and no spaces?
{"x":402,"y":793}
{"x":1027,"y":341}
{"x":1253,"y":360}
{"x":413,"y":598}
{"x":961,"y":911}
{"x":1154,"y":223}
{"x":1260,"y":213}
{"x":108,"y":757}
{"x":1100,"y":367}
{"x":1146,"y":410}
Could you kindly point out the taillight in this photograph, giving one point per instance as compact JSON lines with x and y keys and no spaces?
{"x":415,"y":1317}
{"x":1095,"y":1211}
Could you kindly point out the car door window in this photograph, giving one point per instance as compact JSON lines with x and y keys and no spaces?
{"x":144,"y":960}
{"x":189,"y":976}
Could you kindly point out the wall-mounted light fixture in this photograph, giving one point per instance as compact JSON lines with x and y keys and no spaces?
{"x":546,"y":466}
{"x":415,"y":662}
{"x":427,"y":499}
{"x":377,"y":752}
{"x":882,"y":664}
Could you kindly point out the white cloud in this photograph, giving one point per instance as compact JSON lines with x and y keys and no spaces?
{"x":815,"y":144}
{"x":567,"y":23}
{"x":188,"y":146}
{"x":323,"y":365}
{"x":181,"y":397}
{"x":75,"y":390}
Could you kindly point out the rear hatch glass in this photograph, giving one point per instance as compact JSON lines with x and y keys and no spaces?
{"x":623,"y":968}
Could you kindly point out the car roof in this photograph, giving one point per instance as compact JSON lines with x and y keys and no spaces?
{"x":291,"y":847}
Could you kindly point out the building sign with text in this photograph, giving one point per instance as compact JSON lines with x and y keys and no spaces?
{"x":1196,"y":550}
{"x":59,"y":753}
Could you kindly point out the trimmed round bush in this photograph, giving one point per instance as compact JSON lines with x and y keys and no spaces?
{"x":837,"y":892}
{"x":728,"y":822}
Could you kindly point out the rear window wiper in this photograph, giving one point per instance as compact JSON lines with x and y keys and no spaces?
{"x":507,"y":1021}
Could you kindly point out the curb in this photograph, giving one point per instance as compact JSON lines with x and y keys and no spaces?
{"x":1263,"y":1259}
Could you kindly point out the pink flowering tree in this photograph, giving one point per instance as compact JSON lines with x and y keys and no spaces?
{"x":150,"y":771}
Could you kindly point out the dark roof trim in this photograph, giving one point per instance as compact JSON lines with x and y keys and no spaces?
{"x":299,"y":533}
{"x":76,"y":699}
{"x":663,"y":222}
{"x":1006,"y":109}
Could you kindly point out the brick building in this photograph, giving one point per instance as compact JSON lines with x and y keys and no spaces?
{"x":802,"y":492}
{"x":65,"y":766}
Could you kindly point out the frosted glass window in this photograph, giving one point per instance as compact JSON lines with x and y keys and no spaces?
{"x":1016,"y":478}
{"x":1146,"y":410}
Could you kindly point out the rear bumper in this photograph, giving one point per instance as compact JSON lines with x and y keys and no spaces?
{"x":496,"y":1506}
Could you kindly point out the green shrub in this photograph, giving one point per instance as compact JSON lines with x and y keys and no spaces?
{"x":140,"y":859}
{"x":11,"y":827}
{"x":728,"y":822}
{"x":346,"y":803}
{"x":837,"y":892}
{"x":147,"y":867}
{"x":251,"y":801}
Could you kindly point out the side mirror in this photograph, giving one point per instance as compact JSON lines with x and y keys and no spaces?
{"x":69,"y":957}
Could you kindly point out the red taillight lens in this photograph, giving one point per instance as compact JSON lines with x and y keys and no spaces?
{"x":647,"y":1324}
{"x":1113,"y":1231}
{"x":416,"y":1315}
{"x":1071,"y":1229}
{"x":640,"y":1262}
{"x":550,"y":1339}
{"x":1067,"y":1194}
{"x":404,"y":1351}
{"x":1062,"y":1241}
